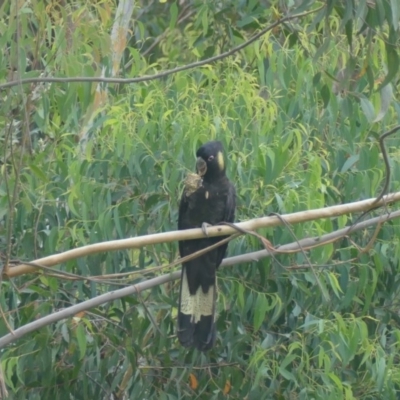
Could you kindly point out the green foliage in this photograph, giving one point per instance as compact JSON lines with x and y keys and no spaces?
{"x":299,"y":112}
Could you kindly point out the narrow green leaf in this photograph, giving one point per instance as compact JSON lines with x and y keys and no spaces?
{"x":71,"y":204}
{"x":268,"y":342}
{"x":322,"y":48}
{"x":349,"y":31}
{"x":381,"y":11}
{"x":11,"y":364}
{"x":240,"y":295}
{"x":392,"y":64}
{"x":334,"y":284}
{"x":350,"y":162}
{"x":260,"y":310}
{"x":247,"y":20}
{"x":286,"y":374}
{"x":381,"y":372}
{"x":304,"y":5}
{"x":368,"y":109}
{"x":336,"y":380}
{"x":204,"y":22}
{"x":317,"y":19}
{"x":326,"y":95}
{"x":288,"y":360}
{"x":386,"y":97}
{"x":39,"y":173}
{"x":173,"y":12}
{"x":394,"y":8}
{"x":351,"y":290}
{"x":117,"y":222}
{"x":81,"y":338}
{"x":316,"y":78}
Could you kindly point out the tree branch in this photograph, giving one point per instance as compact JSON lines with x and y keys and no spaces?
{"x":165,"y":237}
{"x":140,"y":287}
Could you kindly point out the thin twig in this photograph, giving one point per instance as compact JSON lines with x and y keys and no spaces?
{"x":211,"y":365}
{"x":147,"y":311}
{"x":386,"y":160}
{"x":371,"y":241}
{"x":265,"y":242}
{"x":162,"y":35}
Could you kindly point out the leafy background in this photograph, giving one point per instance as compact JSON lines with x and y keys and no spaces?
{"x":299,"y":112}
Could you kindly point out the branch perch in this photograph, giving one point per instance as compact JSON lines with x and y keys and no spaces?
{"x":165,"y":237}
{"x":140,"y":287}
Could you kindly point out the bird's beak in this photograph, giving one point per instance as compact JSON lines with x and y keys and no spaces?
{"x":201,"y":166}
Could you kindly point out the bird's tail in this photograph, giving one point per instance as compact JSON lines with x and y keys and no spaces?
{"x":196,"y":316}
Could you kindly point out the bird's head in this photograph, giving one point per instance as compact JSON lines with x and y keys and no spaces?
{"x":210,"y":162}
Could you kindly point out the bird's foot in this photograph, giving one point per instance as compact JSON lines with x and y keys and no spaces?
{"x":204,"y":227}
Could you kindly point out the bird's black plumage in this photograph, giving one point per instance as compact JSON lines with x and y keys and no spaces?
{"x":212,"y":202}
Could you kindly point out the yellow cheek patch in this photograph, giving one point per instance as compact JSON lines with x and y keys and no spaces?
{"x":207,"y":194}
{"x":221,"y":162}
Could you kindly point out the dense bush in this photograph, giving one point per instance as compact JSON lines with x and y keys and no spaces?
{"x":299,"y":112}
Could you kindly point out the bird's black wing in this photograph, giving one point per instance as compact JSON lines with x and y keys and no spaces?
{"x":197,"y":293}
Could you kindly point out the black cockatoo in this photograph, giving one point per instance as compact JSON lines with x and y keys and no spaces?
{"x":210,"y":200}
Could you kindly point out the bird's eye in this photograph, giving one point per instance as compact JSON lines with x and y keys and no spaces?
{"x":210,"y":158}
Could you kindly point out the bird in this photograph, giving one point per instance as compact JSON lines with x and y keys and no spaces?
{"x":208,"y":200}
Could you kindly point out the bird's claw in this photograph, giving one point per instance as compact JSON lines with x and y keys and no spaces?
{"x":204,"y":227}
